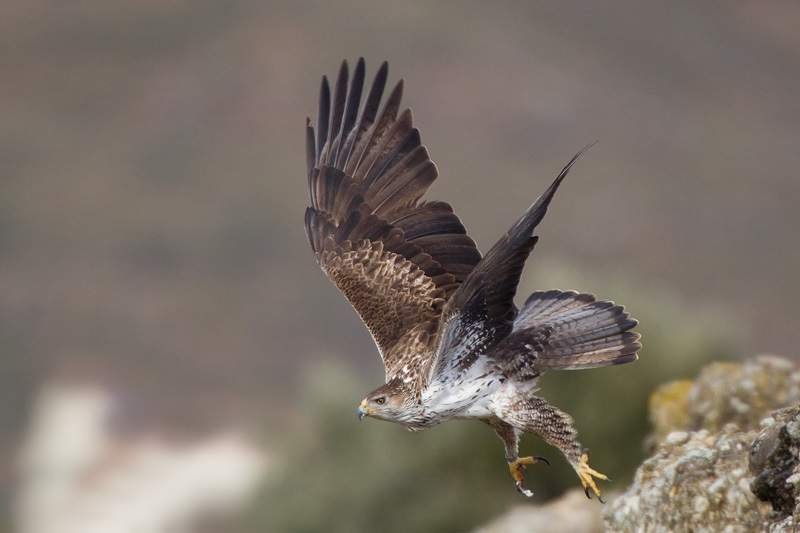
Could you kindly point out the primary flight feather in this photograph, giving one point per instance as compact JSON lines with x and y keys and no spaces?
{"x":443,"y":317}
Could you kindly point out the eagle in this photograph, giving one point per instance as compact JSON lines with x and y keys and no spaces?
{"x":453,"y":343}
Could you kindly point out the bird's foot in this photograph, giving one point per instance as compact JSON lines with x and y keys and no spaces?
{"x":587,"y":474}
{"x":517,"y":469}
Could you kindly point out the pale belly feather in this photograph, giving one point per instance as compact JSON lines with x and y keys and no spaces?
{"x":478,"y":393}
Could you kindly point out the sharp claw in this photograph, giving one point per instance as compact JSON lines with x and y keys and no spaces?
{"x":522,"y":490}
{"x":601,"y":500}
{"x":517,"y":468}
{"x":586,"y":490}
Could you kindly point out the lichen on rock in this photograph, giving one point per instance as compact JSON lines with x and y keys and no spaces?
{"x":696,"y":481}
{"x":727,"y":454}
{"x":742,"y":393}
{"x":669,"y":409}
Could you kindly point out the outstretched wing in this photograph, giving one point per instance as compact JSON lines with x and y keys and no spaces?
{"x":481,"y":312}
{"x":396,"y":259}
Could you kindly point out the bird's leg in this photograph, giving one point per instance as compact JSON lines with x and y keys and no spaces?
{"x":516,"y":464}
{"x":535,"y":415}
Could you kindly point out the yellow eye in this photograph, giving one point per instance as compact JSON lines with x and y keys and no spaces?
{"x":381,"y":400}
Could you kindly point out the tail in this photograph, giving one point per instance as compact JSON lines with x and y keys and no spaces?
{"x":569,"y":331}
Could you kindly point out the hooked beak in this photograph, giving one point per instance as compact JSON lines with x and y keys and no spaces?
{"x":362,"y":410}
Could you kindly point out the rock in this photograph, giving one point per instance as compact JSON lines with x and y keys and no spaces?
{"x":727,"y":454}
{"x":677,"y":437}
{"x":742,"y":393}
{"x":700,"y":483}
{"x":669,"y":409}
{"x":775,"y":465}
{"x":572,"y":512}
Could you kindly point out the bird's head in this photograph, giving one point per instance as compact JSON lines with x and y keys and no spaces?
{"x":392,"y":402}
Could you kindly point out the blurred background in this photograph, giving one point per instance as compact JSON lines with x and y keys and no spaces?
{"x":173,"y":359}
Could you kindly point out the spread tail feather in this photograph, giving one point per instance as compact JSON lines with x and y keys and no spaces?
{"x":567,"y":330}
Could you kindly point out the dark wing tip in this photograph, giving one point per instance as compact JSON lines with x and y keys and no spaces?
{"x":551,"y":190}
{"x":537,"y":211}
{"x":311,"y":156}
{"x":324,"y":89}
{"x":324,"y":114}
{"x":568,"y":166}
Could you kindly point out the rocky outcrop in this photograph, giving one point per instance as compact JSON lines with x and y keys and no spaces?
{"x":696,"y":481}
{"x":726,"y":454}
{"x":740,"y":393}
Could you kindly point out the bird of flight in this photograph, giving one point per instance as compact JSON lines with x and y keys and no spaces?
{"x":453,"y":343}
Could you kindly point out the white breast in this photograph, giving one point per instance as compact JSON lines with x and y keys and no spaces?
{"x":462,"y":395}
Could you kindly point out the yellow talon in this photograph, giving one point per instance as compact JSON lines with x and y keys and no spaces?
{"x":517,"y":469}
{"x":587,"y":474}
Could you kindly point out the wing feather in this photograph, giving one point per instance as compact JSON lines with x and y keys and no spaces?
{"x":380,"y":131}
{"x":339,"y":101}
{"x":394,"y":258}
{"x":324,"y":115}
{"x":392,"y":295}
{"x":354,"y":148}
{"x":482,"y":307}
